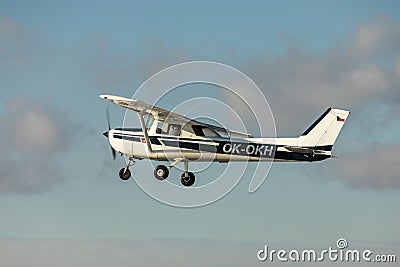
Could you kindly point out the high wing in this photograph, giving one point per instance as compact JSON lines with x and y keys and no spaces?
{"x":162,"y":115}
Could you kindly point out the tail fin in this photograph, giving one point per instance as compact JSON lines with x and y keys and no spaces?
{"x":325,"y":130}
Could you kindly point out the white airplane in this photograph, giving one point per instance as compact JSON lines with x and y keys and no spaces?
{"x":167,"y":136}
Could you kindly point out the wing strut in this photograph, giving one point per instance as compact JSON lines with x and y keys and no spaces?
{"x":146,"y":136}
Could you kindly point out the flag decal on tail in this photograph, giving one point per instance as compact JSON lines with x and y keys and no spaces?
{"x":339,"y":119}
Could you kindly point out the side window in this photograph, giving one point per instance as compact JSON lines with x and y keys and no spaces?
{"x":174,"y":129}
{"x":210,"y":133}
{"x":198,"y":130}
{"x":204,"y":131}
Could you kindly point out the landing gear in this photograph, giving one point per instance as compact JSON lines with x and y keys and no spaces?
{"x":187,"y":179}
{"x":161,"y":172}
{"x":125,"y":173}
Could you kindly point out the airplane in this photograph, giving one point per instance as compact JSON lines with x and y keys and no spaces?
{"x":171,"y":137}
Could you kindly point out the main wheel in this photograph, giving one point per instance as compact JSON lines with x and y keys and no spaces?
{"x":124,"y":175}
{"x":161,"y":172}
{"x":187,"y":180}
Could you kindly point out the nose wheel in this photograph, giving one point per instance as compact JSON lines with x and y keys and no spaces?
{"x":125,"y":173}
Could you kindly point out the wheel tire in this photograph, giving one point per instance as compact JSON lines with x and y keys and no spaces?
{"x":124,"y":175}
{"x":161,"y":172}
{"x":187,"y":181}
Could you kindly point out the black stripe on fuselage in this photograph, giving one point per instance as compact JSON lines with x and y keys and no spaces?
{"x":127,"y":137}
{"x":129,"y":129}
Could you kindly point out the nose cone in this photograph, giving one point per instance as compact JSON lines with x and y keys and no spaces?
{"x":106,"y":134}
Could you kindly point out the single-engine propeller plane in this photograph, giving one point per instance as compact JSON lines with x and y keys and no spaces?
{"x":167,"y":136}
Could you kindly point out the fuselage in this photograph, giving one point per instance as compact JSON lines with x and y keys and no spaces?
{"x":167,"y":136}
{"x":132,"y":142}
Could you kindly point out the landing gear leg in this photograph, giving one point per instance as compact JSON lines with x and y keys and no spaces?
{"x":125,"y":173}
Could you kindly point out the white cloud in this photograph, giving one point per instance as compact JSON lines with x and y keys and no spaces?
{"x":375,"y":167}
{"x":378,"y":35}
{"x":368,"y":38}
{"x":367,"y":78}
{"x":35,"y":136}
{"x":34,"y":131}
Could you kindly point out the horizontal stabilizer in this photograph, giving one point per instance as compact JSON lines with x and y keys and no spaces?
{"x":306,"y":150}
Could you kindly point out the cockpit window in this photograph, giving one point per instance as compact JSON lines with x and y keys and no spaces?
{"x":149,"y":121}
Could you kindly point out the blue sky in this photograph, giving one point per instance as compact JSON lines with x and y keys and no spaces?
{"x":59,"y":190}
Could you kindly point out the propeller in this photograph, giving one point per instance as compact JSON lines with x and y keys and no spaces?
{"x":113,"y":152}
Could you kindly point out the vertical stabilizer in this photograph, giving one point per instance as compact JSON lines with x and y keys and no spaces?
{"x":325,"y":130}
